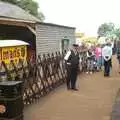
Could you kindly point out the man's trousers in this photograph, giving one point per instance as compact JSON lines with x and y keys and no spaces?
{"x":71,"y":77}
{"x":107,"y":65}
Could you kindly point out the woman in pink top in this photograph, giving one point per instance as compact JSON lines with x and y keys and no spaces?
{"x":98,"y":54}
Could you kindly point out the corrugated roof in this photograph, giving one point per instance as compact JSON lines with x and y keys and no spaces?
{"x":12,"y":11}
{"x":8,"y":43}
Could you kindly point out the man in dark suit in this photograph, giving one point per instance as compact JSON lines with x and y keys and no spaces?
{"x":72,"y":63}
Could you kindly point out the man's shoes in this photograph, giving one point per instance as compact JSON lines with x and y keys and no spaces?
{"x":68,"y":88}
{"x":75,"y":89}
{"x":106,"y":75}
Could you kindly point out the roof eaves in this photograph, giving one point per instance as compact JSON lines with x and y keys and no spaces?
{"x":51,"y":24}
{"x":15,"y":12}
{"x":16,"y":20}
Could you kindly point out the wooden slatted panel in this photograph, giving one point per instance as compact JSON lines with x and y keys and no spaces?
{"x":39,"y":78}
{"x":48,"y":38}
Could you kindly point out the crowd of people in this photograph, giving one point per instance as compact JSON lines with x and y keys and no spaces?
{"x":98,"y":57}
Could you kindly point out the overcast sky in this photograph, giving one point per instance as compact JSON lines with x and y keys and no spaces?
{"x":85,"y":15}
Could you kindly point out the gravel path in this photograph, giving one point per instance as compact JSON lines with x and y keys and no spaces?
{"x":93,"y":101}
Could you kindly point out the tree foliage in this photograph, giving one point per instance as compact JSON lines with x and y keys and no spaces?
{"x":109,"y":30}
{"x":28,"y":5}
{"x":41,"y":16}
{"x":105,"y":29}
{"x":117,"y":32}
{"x":10,"y":1}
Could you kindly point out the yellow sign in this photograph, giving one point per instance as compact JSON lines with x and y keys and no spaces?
{"x":13,"y":53}
{"x":79,"y":35}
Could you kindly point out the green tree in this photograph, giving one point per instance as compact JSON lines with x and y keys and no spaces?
{"x":10,"y":1}
{"x":41,"y":16}
{"x":105,"y":29}
{"x":28,"y":5}
{"x":117,"y":33}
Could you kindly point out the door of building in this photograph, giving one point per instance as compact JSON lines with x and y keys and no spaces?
{"x":65,"y":44}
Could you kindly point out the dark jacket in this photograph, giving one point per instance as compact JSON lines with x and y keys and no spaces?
{"x":90,"y":55}
{"x":73,"y":59}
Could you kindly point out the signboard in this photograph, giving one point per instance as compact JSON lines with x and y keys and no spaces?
{"x":13,"y":53}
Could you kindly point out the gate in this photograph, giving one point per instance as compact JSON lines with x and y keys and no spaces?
{"x":39,"y":78}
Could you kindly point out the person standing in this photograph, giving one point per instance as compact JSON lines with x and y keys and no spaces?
{"x":118,"y":54}
{"x":98,"y":54}
{"x":107,"y":55}
{"x":90,"y":61}
{"x":72,"y":64}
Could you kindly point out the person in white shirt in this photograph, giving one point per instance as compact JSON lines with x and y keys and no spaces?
{"x":107,"y":55}
{"x":72,"y":63}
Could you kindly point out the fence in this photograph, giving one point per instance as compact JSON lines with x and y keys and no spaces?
{"x":39,"y":78}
